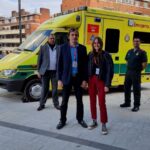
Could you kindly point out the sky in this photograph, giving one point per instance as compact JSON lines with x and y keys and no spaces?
{"x":6,"y":6}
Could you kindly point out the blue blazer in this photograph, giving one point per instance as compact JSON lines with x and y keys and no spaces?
{"x":64,"y":65}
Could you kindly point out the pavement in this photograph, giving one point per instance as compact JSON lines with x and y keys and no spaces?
{"x":22,"y":127}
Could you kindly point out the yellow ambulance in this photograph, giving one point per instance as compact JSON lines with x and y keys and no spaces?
{"x":18,"y":70}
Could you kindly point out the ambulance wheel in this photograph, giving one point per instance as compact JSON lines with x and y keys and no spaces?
{"x":33,"y":90}
{"x":121,"y":88}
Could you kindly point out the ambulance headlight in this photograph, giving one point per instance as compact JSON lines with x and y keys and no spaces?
{"x":9,"y":72}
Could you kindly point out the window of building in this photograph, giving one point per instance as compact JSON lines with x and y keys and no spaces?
{"x":25,"y":18}
{"x":112,"y":40}
{"x":28,"y":17}
{"x":23,"y":26}
{"x":144,"y":36}
{"x":119,"y":1}
{"x":7,"y":21}
{"x":137,"y":3}
{"x":14,"y":28}
{"x":13,"y":19}
{"x":146,"y":5}
{"x":31,"y":17}
{"x":27,"y":26}
{"x":125,"y":1}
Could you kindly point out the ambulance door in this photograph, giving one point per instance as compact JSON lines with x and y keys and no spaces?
{"x":92,"y":29}
{"x":113,"y":38}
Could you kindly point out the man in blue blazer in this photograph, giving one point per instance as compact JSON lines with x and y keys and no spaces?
{"x":72,"y":72}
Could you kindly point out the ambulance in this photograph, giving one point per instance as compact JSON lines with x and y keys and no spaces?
{"x":18,"y":70}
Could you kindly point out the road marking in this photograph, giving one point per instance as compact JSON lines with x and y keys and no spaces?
{"x":58,"y":136}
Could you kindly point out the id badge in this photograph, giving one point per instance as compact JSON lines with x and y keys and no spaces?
{"x":97,"y":71}
{"x":74,"y":64}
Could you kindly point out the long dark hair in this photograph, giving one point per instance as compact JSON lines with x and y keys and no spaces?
{"x":97,"y":55}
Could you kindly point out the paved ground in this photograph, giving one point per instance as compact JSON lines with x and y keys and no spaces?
{"x":23,"y":128}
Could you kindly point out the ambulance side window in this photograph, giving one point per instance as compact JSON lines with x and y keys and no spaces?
{"x":112,"y":40}
{"x":61,"y":38}
{"x":144,"y":36}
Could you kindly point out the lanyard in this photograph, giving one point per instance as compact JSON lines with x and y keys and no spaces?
{"x":75,"y":55}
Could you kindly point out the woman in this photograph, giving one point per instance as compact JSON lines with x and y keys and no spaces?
{"x":99,"y":71}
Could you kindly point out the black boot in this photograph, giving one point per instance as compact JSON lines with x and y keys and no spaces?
{"x":41,"y":107}
{"x":135,"y":109}
{"x":125,"y":105}
{"x":60,"y":125}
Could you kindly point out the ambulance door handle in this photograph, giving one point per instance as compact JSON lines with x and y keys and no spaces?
{"x":117,"y":58}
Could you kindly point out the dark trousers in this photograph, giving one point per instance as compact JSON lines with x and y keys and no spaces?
{"x":65,"y":97}
{"x":133,"y":78}
{"x":96,"y":87}
{"x":49,"y":75}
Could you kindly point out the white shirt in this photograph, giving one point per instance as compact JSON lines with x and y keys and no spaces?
{"x":52,"y":56}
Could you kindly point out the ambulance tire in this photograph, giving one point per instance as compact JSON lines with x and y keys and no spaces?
{"x":121,"y":88}
{"x":32,"y":91}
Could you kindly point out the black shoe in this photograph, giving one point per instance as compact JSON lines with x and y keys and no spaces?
{"x":41,"y":107}
{"x":57,"y":107}
{"x":135,"y":109}
{"x":60,"y":125}
{"x":125,"y":105}
{"x":83,"y":124}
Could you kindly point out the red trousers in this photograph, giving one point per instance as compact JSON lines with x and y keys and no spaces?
{"x":96,"y":86}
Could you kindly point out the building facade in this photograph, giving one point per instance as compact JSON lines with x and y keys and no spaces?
{"x":130,"y":6}
{"x":9,"y":27}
